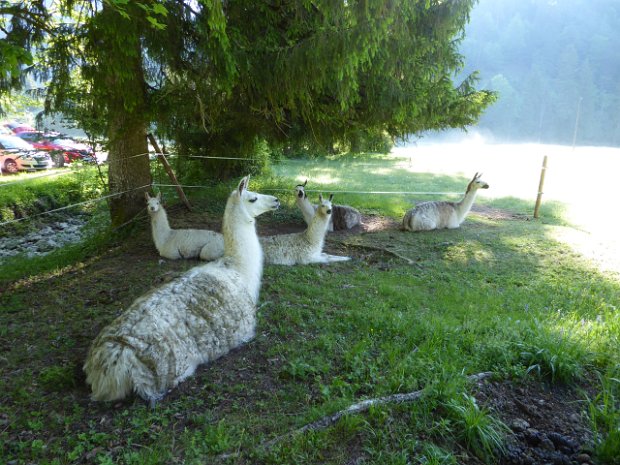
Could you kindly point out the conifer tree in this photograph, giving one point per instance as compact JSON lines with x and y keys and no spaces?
{"x":210,"y":74}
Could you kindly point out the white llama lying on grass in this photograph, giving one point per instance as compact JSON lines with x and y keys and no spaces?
{"x":165,"y":334}
{"x":304,"y":247}
{"x":441,"y":214}
{"x":343,"y":216}
{"x":181,"y":243}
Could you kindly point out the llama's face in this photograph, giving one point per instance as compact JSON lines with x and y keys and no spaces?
{"x":477,"y":183}
{"x":254,"y":203}
{"x":153,"y":204}
{"x":325,"y":206}
{"x":481,"y":184}
{"x":300,"y":193}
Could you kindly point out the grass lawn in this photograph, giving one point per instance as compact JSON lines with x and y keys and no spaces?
{"x":502,"y":294}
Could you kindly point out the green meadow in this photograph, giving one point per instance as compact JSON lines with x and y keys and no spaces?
{"x":410,"y":312}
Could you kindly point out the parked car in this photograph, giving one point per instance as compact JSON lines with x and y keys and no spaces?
{"x":57,"y":145}
{"x":16,"y":154}
{"x":19,"y":127}
{"x":74,"y":150}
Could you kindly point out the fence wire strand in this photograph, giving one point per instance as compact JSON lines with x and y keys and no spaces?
{"x":326,"y":190}
{"x":185,"y":186}
{"x":66,"y":207}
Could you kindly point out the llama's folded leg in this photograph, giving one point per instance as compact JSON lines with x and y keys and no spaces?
{"x":211,"y":252}
{"x":334,"y":258}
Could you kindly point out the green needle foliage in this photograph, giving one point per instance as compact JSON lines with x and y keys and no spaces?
{"x":221,"y":77}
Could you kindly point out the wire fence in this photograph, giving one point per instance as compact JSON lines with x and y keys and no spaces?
{"x":155,"y":156}
{"x":184,"y":186}
{"x":68,"y":207}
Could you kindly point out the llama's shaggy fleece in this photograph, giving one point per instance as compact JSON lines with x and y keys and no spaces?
{"x":181,"y":243}
{"x":165,"y":334}
{"x":427,"y":216}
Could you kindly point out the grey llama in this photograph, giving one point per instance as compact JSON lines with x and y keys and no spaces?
{"x":181,"y":243}
{"x":303,"y":247}
{"x":165,"y":334}
{"x":427,"y":216}
{"x":343,"y":216}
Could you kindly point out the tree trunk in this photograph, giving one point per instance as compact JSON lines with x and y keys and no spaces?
{"x":129,"y":174}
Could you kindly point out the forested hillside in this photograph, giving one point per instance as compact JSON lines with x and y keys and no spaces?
{"x":555,"y":64}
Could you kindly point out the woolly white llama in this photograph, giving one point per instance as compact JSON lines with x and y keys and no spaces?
{"x":441,"y":214}
{"x":304,"y":247}
{"x":165,"y":334}
{"x":181,"y":243}
{"x":343,"y":216}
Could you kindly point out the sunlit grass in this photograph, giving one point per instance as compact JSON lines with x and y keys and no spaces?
{"x":483,"y":433}
{"x":604,"y":412}
{"x":498,"y":294}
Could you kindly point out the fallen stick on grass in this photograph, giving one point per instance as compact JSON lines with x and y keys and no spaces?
{"x":381,"y":249}
{"x":358,"y":407}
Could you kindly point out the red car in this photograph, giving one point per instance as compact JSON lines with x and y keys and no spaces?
{"x":52,"y":142}
{"x":19,"y":127}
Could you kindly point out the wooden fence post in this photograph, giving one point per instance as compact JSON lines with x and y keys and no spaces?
{"x":540,"y":186}
{"x":168,"y":169}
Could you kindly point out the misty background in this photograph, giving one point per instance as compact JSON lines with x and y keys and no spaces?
{"x":555,"y":65}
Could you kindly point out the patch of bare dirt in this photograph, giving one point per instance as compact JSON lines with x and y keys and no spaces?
{"x":548,"y":423}
{"x":375,"y":223}
{"x":497,"y":214}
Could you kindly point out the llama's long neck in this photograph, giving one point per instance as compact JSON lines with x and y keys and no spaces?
{"x":317,"y":229}
{"x":241,"y":246}
{"x":160,"y":227}
{"x":466,"y":203}
{"x":306,"y":207}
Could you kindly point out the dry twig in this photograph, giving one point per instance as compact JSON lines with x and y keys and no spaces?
{"x":381,"y":249}
{"x":358,"y":407}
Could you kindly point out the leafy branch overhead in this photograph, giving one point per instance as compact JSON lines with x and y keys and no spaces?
{"x":216,"y":76}
{"x":331,"y":66}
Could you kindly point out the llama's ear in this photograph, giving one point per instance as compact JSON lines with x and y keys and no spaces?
{"x":331,"y":196}
{"x":147,"y":196}
{"x":321,"y":198}
{"x":304,"y":184}
{"x":158,"y":196}
{"x":243,"y":184}
{"x":476,"y":176}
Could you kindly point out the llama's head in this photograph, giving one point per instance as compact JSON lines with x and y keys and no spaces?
{"x":300,"y":193}
{"x":477,"y":183}
{"x":153,"y":204}
{"x":251,"y":203}
{"x":325,"y":206}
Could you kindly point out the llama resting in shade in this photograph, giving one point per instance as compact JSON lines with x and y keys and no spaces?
{"x":304,"y":247}
{"x":343,"y":216}
{"x":181,"y":243}
{"x":165,"y":334}
{"x":440,"y":214}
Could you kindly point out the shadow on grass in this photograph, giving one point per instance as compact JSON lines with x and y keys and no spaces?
{"x":497,"y":294}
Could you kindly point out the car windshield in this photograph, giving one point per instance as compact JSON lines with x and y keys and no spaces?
{"x":30,"y":136}
{"x":69,"y":143}
{"x":13,"y":142}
